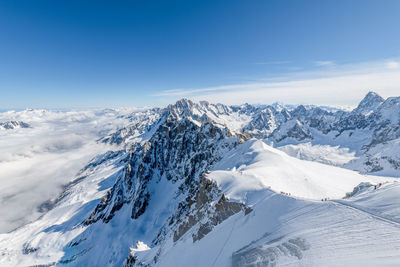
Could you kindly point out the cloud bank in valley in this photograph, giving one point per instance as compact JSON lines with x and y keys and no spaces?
{"x":35,"y":162}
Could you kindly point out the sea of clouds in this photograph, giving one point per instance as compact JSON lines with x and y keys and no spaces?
{"x":36,"y":162}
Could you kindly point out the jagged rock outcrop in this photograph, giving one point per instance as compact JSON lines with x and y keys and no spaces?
{"x":209,"y":205}
{"x":179,"y":151}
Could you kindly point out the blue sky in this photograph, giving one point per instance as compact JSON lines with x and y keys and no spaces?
{"x":77,"y":54}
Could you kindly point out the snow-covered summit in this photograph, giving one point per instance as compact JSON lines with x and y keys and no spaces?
{"x":369,"y":103}
{"x":254,"y":166}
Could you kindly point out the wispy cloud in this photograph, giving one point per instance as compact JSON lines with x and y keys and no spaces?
{"x":324,"y":63}
{"x":281,"y":62}
{"x":391,"y":64}
{"x":342,"y":85}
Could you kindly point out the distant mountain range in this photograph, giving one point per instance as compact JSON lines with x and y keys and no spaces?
{"x":201,"y":184}
{"x":373,"y":125}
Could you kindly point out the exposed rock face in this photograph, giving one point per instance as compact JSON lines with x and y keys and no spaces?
{"x":208,"y":205}
{"x":179,"y":151}
{"x":358,"y":189}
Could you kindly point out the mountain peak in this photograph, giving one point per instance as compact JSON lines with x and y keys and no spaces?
{"x":184,"y":101}
{"x":182,"y":107}
{"x":369,"y":103}
{"x":373,"y":95}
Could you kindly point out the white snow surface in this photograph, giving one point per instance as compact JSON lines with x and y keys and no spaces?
{"x":286,"y":231}
{"x":254,"y":166}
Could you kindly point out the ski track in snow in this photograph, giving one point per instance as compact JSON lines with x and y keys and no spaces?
{"x":226,"y":242}
{"x":364,"y":210}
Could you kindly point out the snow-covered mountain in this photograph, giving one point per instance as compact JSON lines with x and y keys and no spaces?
{"x":201,"y":184}
{"x":9,"y":125}
{"x":374,"y":123}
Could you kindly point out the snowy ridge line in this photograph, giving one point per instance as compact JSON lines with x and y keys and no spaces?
{"x":254,"y":166}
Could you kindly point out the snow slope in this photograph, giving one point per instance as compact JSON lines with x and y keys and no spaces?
{"x":255,"y":165}
{"x":285,"y":231}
